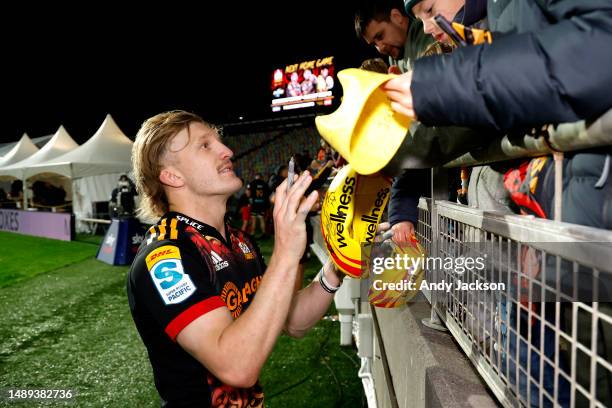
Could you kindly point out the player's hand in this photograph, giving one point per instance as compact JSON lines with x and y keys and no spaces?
{"x":380,"y":231}
{"x":398,"y":91}
{"x":403,"y":233}
{"x":290,"y":211}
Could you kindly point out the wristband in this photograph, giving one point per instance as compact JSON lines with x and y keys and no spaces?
{"x":325,"y":284}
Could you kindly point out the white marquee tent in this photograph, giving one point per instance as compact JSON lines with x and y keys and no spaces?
{"x":94,"y":168}
{"x":22,"y":150}
{"x":60,"y":143}
{"x":107,"y":151}
{"x":38,"y":141}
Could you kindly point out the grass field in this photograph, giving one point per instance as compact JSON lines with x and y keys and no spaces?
{"x":66,"y":324}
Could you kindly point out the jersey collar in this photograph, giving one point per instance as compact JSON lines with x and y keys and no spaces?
{"x":200,"y":226}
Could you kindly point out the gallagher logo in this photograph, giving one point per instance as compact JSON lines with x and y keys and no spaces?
{"x":234,"y":298}
{"x":231,"y":296}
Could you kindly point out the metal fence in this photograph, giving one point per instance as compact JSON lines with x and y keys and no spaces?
{"x":540,"y":341}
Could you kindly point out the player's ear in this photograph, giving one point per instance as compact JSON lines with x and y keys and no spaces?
{"x":169,"y":176}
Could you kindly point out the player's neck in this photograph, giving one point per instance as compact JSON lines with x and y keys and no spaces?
{"x":210,"y":211}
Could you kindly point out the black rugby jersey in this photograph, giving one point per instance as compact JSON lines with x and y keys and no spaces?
{"x":184,"y":269}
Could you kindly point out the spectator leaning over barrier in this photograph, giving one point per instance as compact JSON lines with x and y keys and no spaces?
{"x":387,"y":25}
{"x":202,"y":304}
{"x":487,"y":187}
{"x":486,"y":183}
{"x":530,"y":76}
{"x":585,"y":173}
{"x":552,"y":65}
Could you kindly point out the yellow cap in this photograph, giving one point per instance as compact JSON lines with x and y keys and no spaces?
{"x":364,"y":129}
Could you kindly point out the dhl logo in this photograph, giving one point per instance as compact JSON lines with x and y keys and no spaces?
{"x":164,"y":252}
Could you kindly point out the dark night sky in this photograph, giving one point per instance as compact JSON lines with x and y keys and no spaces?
{"x":72,"y":66}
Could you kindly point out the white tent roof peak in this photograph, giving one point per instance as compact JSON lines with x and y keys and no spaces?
{"x":60,"y":143}
{"x":23,"y":149}
{"x":107,"y":151}
{"x":109,"y":130}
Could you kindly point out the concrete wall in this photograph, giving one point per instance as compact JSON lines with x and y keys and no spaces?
{"x":427,"y":367}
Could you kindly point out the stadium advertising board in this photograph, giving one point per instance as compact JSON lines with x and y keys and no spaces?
{"x":38,"y":223}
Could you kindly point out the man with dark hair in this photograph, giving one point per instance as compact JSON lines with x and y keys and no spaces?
{"x":386,"y":25}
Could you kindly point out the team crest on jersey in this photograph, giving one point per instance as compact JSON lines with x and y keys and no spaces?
{"x":246,"y":250}
{"x":218,"y":261}
{"x":168,"y":275}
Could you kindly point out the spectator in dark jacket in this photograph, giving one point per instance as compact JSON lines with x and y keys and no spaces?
{"x":532,"y":74}
{"x":543,"y":83}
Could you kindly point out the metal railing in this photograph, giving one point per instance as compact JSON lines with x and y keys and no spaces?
{"x":565,"y":137}
{"x":538,"y":342}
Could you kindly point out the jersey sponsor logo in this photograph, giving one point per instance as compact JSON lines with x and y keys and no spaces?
{"x":218,"y":261}
{"x":163,"y":252}
{"x":168,"y":275}
{"x":189,"y":222}
{"x":246,"y":251}
{"x":234,"y":298}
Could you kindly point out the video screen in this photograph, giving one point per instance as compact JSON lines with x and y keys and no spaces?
{"x":303,"y":85}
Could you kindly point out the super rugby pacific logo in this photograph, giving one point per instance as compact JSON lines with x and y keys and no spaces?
{"x":339,"y":217}
{"x":169,"y":277}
